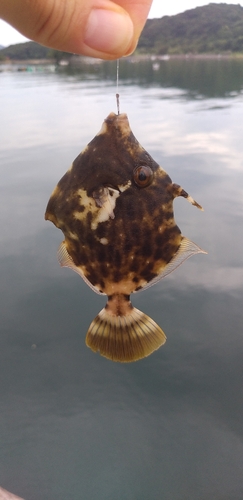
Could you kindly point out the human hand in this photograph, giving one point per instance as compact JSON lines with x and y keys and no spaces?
{"x":97,"y":28}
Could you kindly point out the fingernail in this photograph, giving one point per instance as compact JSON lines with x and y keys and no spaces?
{"x":108,"y":31}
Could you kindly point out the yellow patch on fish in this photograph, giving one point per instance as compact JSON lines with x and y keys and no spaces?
{"x":115,"y":208}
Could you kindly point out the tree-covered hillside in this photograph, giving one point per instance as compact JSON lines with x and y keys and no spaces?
{"x":26,"y":50}
{"x":212,"y":28}
{"x":31,"y":50}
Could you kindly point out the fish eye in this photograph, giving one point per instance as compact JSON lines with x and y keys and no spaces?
{"x":143,"y":176}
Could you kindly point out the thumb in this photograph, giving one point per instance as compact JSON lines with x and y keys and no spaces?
{"x":96,"y":28}
{"x":110,"y":32}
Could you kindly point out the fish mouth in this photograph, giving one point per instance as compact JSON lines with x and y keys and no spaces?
{"x":105,"y":195}
{"x":116,"y":189}
{"x":108,"y":190}
{"x":105,"y":200}
{"x":111,"y":187}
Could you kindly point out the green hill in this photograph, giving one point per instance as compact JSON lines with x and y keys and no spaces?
{"x":26,"y":50}
{"x":211,"y":28}
{"x":31,"y":50}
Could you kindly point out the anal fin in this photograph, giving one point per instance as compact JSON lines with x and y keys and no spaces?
{"x":65,"y":260}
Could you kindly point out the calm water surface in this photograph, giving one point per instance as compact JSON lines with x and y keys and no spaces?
{"x":74,"y":425}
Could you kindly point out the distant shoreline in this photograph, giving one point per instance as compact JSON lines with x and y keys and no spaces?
{"x":133,"y":58}
{"x":24,"y":62}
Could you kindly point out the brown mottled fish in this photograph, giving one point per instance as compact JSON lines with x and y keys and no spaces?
{"x":115,"y":208}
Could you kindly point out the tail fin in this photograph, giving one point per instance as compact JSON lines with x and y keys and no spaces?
{"x":124,"y":338}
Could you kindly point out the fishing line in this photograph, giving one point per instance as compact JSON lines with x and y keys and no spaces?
{"x":117,"y":87}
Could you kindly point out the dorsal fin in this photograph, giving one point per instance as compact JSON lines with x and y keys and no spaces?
{"x":186,"y":249}
{"x":177,"y":190}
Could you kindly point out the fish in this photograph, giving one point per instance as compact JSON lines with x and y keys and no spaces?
{"x":115,"y":208}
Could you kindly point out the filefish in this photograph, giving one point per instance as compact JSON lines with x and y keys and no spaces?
{"x":115,"y":208}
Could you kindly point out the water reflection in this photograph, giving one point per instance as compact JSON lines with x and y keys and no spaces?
{"x":209,"y":77}
{"x":72,"y":424}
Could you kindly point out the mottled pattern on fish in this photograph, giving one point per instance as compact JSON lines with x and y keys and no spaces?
{"x":115,"y":208}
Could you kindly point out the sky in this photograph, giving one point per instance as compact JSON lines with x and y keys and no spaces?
{"x":9,"y":35}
